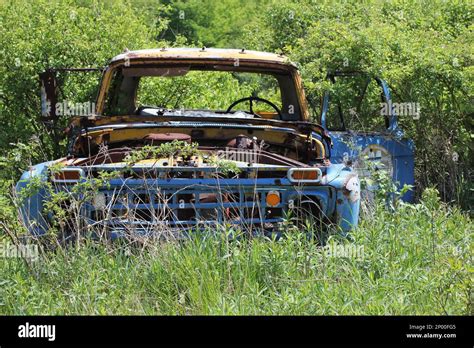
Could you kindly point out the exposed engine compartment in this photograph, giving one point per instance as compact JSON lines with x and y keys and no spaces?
{"x":273,"y":146}
{"x":240,"y":149}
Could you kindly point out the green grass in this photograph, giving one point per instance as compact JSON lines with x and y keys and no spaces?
{"x":417,"y":260}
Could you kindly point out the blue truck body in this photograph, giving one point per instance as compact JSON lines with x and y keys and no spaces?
{"x":298,"y":172}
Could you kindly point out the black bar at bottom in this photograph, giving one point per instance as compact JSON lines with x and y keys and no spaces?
{"x":134,"y":330}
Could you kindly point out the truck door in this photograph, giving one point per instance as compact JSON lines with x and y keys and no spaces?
{"x":360,"y":117}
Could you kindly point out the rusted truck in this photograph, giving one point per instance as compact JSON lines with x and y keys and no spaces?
{"x":256,"y":162}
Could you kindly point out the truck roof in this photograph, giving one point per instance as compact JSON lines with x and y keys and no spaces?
{"x":205,"y":54}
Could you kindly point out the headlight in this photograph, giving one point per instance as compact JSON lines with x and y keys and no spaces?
{"x":353,"y":186}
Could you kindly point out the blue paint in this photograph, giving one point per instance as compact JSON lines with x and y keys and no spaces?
{"x":327,"y":193}
{"x":31,"y":208}
{"x":352,"y":143}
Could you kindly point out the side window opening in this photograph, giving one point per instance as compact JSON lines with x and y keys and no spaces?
{"x":355,"y":104}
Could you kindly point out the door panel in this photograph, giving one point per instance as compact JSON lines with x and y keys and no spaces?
{"x":359,"y":126}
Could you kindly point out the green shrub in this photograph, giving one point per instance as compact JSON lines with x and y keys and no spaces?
{"x":421,"y":48}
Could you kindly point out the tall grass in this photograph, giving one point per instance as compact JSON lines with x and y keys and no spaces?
{"x":416,"y":260}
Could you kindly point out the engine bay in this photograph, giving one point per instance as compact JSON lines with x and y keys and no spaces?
{"x":262,"y":144}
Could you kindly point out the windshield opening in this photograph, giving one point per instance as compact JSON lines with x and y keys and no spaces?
{"x":158,"y":90}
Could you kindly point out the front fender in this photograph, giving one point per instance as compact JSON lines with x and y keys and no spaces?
{"x":31,"y":206}
{"x":346,"y":182}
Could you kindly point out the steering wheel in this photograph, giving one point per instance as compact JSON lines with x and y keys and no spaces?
{"x":251,"y":100}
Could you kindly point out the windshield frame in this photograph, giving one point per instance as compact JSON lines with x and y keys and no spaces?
{"x":227,"y":65}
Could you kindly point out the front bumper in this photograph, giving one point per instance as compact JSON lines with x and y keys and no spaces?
{"x":143,"y":206}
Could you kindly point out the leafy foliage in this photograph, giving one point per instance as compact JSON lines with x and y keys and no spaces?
{"x":170,"y":149}
{"x":36,"y":35}
{"x":182,"y":149}
{"x":421,"y":48}
{"x":211,"y":90}
{"x":216,"y":24}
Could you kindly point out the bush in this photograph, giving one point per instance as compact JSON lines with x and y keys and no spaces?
{"x":421,"y":49}
{"x":36,"y":35}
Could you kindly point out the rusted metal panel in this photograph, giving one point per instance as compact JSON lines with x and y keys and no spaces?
{"x":204,"y":53}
